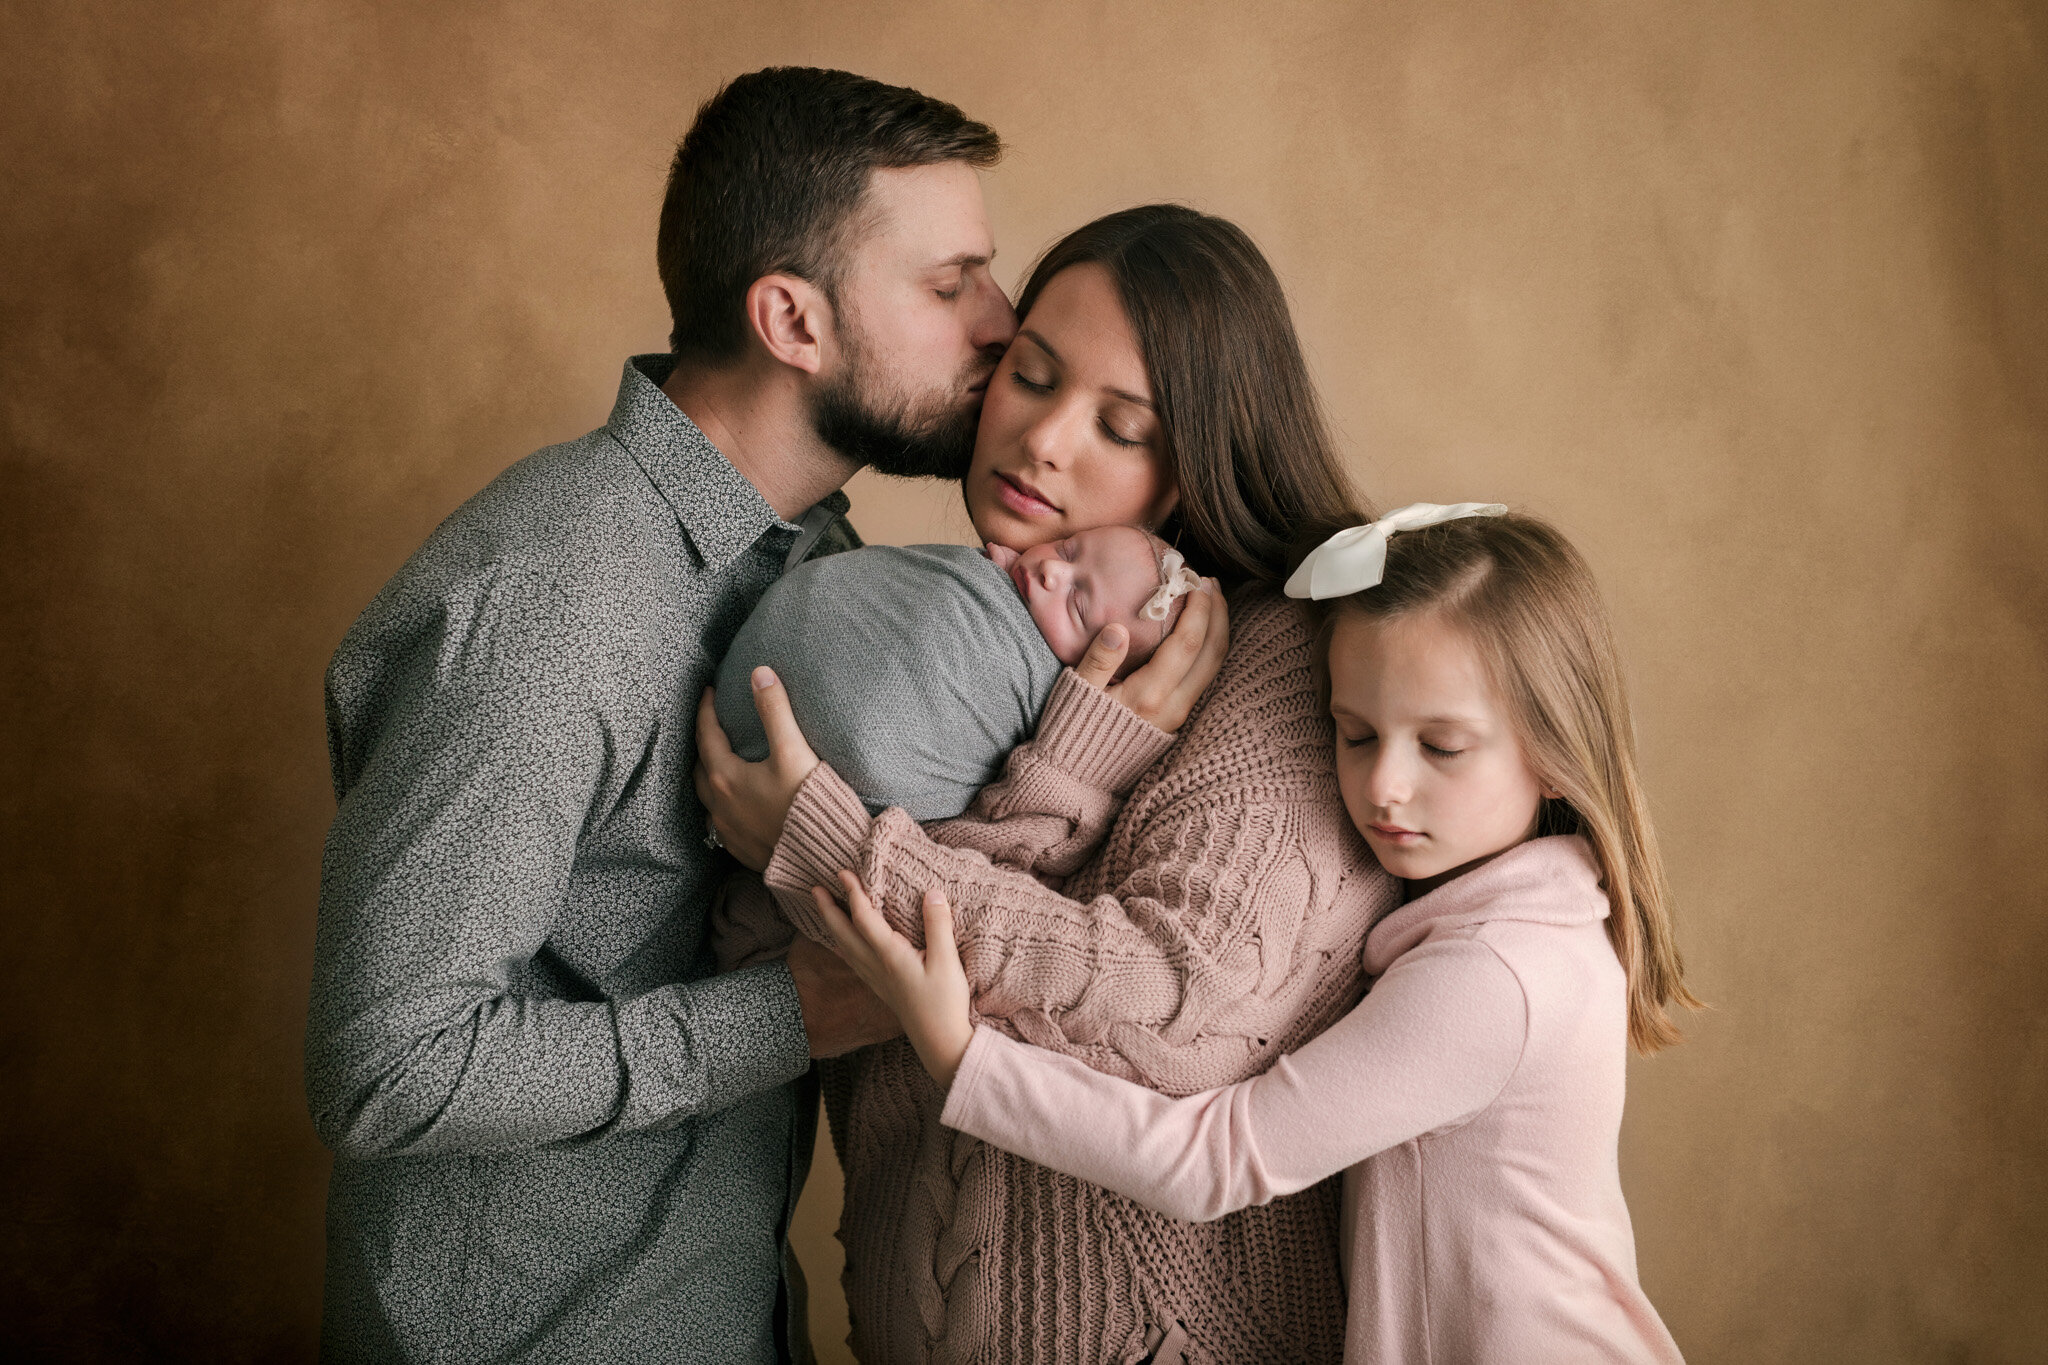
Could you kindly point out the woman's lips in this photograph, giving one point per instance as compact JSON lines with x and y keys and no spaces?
{"x":1022,"y":499}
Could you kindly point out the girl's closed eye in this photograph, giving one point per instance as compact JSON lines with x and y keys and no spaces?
{"x":1028,"y":384}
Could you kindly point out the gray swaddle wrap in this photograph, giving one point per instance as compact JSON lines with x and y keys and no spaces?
{"x":913,"y":670}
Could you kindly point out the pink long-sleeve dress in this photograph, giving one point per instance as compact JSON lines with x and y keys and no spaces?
{"x":1473,"y":1101}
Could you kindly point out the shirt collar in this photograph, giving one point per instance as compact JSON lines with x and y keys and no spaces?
{"x":719,"y":510}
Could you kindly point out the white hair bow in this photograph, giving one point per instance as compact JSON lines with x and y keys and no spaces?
{"x":1356,"y":558}
{"x":1175,"y":578}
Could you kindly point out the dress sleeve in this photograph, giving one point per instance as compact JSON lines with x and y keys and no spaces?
{"x":1432,"y":1045}
{"x":492,"y":724}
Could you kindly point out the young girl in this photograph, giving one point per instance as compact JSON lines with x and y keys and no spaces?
{"x":1473,"y":1100}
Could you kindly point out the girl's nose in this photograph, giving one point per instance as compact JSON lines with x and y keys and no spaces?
{"x":1390,"y":783}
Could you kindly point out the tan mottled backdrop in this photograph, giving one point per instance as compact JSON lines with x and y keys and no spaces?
{"x":1753,"y":298}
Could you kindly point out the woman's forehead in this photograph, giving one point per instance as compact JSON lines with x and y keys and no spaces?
{"x":1078,"y":321}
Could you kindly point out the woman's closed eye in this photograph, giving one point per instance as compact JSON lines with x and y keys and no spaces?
{"x":1441,"y":752}
{"x":1118,"y":437}
{"x":1029,"y":385}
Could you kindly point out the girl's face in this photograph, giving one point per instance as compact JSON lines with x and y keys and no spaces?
{"x":1069,"y":440}
{"x":1433,"y":774}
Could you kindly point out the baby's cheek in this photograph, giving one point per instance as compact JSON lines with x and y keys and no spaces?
{"x":1059,"y":634}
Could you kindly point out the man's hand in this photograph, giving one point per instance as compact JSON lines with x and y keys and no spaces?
{"x":749,"y":802}
{"x":1166,"y":687}
{"x":840,"y":1012}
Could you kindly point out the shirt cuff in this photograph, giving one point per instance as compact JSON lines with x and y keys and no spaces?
{"x":824,"y":830}
{"x":1095,"y":738}
{"x":959,"y":1111}
{"x":705,"y":1046}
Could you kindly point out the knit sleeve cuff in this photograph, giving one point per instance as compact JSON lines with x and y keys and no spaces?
{"x":1096,"y":739}
{"x":822,"y":834}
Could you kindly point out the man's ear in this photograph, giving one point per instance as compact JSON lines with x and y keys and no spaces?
{"x":792,"y":319}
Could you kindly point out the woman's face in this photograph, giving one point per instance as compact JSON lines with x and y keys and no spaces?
{"x":1068,"y":439}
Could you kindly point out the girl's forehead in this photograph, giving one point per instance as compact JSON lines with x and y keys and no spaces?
{"x":1421,"y":661}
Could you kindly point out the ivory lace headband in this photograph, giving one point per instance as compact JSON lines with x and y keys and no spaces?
{"x":1175,"y":579}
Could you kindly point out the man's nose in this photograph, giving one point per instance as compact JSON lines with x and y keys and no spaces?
{"x":995,"y":322}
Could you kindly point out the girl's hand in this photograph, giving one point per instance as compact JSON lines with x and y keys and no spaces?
{"x":928,"y":990}
{"x":1165,"y":688}
{"x":749,"y":802}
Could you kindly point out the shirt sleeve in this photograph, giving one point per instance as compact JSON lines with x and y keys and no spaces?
{"x":485,"y":737}
{"x":1432,"y":1045}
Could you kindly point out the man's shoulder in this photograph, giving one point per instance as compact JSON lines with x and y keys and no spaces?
{"x":576,"y":511}
{"x":573,"y":532}
{"x":580,"y":516}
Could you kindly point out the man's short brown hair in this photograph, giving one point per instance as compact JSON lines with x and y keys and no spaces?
{"x":770,"y":179}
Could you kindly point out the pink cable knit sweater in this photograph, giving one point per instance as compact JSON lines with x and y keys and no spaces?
{"x":1218,"y":927}
{"x":1476,"y":1096}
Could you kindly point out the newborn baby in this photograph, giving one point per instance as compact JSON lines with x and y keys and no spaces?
{"x":914,"y":670}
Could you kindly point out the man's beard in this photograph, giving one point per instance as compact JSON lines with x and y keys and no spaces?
{"x":930,"y":441}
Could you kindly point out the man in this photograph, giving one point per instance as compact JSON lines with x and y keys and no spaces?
{"x":557,"y":1135}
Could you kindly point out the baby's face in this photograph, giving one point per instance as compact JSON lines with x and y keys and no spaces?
{"x":1075,"y":587}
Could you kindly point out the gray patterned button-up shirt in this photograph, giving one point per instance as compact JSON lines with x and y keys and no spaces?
{"x":558,"y":1135}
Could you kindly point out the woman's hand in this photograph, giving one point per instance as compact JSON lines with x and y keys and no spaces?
{"x":749,"y":802}
{"x":928,"y":990}
{"x":1166,"y":686}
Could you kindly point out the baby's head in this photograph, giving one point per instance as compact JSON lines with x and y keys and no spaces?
{"x":1112,"y":574}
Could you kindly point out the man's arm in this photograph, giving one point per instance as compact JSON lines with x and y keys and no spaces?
{"x":492,"y":736}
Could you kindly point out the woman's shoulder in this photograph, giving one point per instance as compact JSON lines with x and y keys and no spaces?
{"x":1269,"y":673}
{"x":1263,"y":715}
{"x":1259,"y":612}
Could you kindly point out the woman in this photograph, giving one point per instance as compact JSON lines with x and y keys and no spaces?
{"x":1155,"y":380}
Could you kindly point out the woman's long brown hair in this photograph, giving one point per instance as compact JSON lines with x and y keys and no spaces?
{"x":1526,"y":598}
{"x":1239,"y":421}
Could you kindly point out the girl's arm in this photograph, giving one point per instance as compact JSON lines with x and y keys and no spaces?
{"x":1432,"y":1045}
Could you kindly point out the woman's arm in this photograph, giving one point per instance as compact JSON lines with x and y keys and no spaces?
{"x":1432,"y":1045}
{"x":1232,"y":938}
{"x":1229,"y":906}
{"x":1061,"y":791}
{"x":748,"y":802}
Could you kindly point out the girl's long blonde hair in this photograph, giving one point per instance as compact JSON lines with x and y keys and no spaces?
{"x":1529,"y":603}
